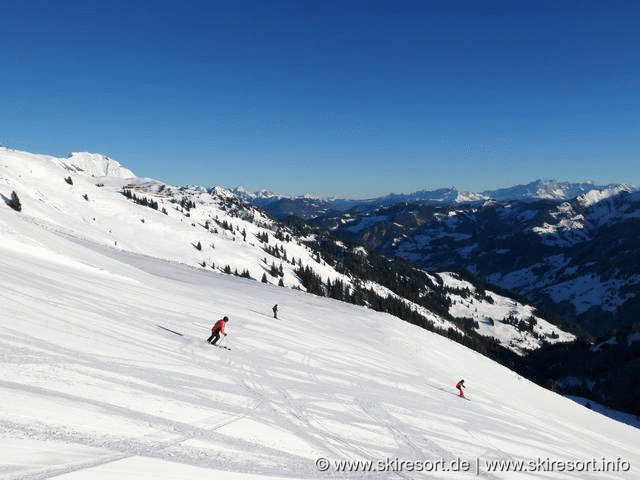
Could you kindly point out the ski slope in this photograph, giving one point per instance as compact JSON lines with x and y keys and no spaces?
{"x":94,"y":386}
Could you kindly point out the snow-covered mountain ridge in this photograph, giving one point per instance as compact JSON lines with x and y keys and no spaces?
{"x":310,"y":207}
{"x":93,"y":198}
{"x":92,"y":207}
{"x":105,"y":375}
{"x":96,"y":165}
{"x":576,"y":257}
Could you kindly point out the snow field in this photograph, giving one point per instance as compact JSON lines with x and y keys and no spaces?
{"x":92,"y":387}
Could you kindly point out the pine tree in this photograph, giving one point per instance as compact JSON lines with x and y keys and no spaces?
{"x":274,"y":270}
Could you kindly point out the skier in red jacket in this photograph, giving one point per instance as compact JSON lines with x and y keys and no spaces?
{"x":220,"y":327}
{"x":460,"y":386}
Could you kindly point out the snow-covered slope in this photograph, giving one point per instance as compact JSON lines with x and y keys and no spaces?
{"x":104,"y":374}
{"x":573,"y":222}
{"x":627,"y":418}
{"x":518,"y":327}
{"x":96,"y":165}
{"x":82,"y":196}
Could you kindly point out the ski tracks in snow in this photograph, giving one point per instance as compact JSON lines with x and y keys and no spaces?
{"x":167,"y":437}
{"x":277,"y":406}
{"x":164,"y":444}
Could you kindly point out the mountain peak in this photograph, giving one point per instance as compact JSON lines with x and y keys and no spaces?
{"x":96,"y":165}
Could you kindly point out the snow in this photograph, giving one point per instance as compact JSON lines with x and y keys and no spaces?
{"x":216,"y":232}
{"x":544,"y":189}
{"x":568,"y":223}
{"x":470,"y":197}
{"x":595,"y":196}
{"x":599,"y":206}
{"x":360,"y":251}
{"x":586,"y":291}
{"x":489,"y":313}
{"x":537,"y":190}
{"x":92,"y":388}
{"x":96,"y":165}
{"x":93,"y":385}
{"x":627,"y":418}
{"x":366,"y":222}
{"x":135,"y":468}
{"x":108,"y":218}
{"x":436,"y":320}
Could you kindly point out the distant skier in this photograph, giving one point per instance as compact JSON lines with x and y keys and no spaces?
{"x":220,"y":327}
{"x":460,"y":386}
{"x":275,"y":311}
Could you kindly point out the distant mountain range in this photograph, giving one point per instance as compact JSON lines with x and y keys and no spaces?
{"x":306,"y":206}
{"x":579,"y":258}
{"x":571,"y":248}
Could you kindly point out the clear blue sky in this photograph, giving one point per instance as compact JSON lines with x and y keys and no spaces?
{"x":353,"y":99}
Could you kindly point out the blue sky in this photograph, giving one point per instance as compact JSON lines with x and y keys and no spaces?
{"x":353,"y":99}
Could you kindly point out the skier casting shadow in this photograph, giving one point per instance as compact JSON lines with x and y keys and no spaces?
{"x":460,"y":386}
{"x":220,"y":327}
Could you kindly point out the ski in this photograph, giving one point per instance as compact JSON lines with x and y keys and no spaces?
{"x":457,"y":395}
{"x":219,"y":346}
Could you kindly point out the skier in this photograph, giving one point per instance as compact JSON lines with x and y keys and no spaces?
{"x":460,"y":386}
{"x":275,"y":311}
{"x":219,"y":327}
